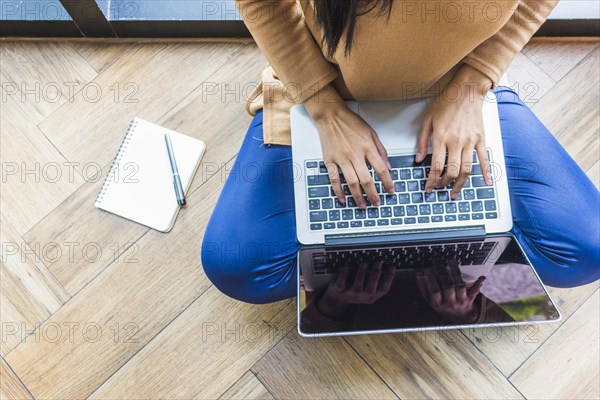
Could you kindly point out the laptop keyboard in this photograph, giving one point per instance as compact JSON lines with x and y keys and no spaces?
{"x":406,"y":257}
{"x":410,"y":205}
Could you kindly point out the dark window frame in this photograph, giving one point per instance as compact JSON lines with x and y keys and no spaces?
{"x":16,"y":28}
{"x":89,"y":18}
{"x":180,"y":29}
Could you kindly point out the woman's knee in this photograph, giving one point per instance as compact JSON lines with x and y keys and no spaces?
{"x":225,"y":270}
{"x":245,"y":272}
{"x":573,"y":262}
{"x":584,"y":262}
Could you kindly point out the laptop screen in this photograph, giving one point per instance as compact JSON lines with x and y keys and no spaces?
{"x":414,"y":286}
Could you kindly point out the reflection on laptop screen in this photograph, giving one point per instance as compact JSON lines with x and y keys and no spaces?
{"x":424,"y":285}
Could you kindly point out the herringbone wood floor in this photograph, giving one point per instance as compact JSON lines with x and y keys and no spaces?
{"x":95,"y":306}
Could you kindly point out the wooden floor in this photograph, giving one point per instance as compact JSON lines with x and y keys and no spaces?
{"x":95,"y":306}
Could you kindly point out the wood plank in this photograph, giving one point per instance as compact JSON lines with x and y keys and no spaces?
{"x":35,"y":176}
{"x":13,"y":101}
{"x":529,"y":81}
{"x":122,"y":309}
{"x":45,"y":74}
{"x":438,"y":365}
{"x":508,"y":348}
{"x":220,"y":125}
{"x":567,"y":111}
{"x":29,"y":294}
{"x":212,"y":343}
{"x":100,"y":55}
{"x":558,"y":57}
{"x":570,"y":299}
{"x":328,"y":368}
{"x":10,"y":386}
{"x":150,"y":80}
{"x":87,"y":252}
{"x":567,"y":364}
{"x":247,"y":387}
{"x":216,"y":110}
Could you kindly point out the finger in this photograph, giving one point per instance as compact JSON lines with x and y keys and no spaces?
{"x":420,"y":281}
{"x":445,"y":282}
{"x":474,"y":290}
{"x":435,"y":294}
{"x":449,"y":294}
{"x":382,"y":171}
{"x":387,"y":279}
{"x":466,"y":166}
{"x":381,"y":149}
{"x":455,"y":273}
{"x":373,"y":278}
{"x":336,"y":181}
{"x":452,"y":166}
{"x":424,"y":137}
{"x":366,"y":181}
{"x":354,"y":185}
{"x":341,"y":278}
{"x":437,"y":166}
{"x":461,"y":294}
{"x":441,"y":272}
{"x":484,"y":162}
{"x":359,"y":279}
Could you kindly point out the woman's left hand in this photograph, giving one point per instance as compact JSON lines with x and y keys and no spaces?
{"x":447,"y":293}
{"x":454,"y":124}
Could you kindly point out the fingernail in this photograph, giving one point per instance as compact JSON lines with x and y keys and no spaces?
{"x":389,"y":165}
{"x":418,"y":157}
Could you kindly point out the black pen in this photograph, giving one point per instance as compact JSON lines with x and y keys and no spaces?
{"x":176,"y":179}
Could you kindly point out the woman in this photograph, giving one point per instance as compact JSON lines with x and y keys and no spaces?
{"x":323,"y":52}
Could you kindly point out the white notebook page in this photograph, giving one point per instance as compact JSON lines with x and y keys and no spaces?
{"x":140,"y":184}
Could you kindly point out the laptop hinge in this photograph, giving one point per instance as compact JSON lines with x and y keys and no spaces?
{"x":405,"y":236}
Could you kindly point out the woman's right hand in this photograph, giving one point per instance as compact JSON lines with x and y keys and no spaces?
{"x":348,"y":142}
{"x":370,"y":283}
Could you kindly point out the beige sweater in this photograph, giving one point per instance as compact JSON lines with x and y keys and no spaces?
{"x":413,"y":53}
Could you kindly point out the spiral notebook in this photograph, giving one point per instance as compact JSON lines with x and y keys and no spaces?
{"x":139,"y":185}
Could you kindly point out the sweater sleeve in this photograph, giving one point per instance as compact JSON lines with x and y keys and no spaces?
{"x":314,"y":321}
{"x":491,"y":312}
{"x":494,"y":55}
{"x":279,"y":29}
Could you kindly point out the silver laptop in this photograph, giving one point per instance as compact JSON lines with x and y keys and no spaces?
{"x":411,"y":231}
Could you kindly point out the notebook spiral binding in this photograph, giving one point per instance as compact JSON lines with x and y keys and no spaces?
{"x":116,"y":161}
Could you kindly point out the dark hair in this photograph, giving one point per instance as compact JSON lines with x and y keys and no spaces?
{"x":335,"y":17}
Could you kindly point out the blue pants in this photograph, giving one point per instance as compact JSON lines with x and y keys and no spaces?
{"x":249,"y":248}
